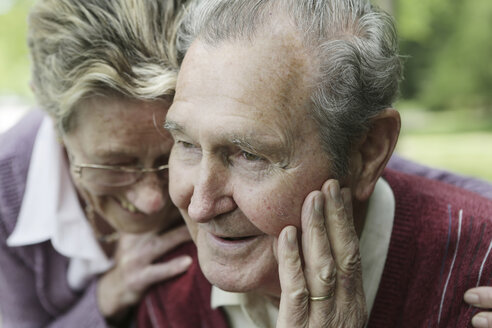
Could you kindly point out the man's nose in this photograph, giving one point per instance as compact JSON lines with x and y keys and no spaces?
{"x":211,"y":195}
{"x":148,"y":194}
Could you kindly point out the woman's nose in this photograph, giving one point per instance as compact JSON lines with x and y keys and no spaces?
{"x":149,"y":195}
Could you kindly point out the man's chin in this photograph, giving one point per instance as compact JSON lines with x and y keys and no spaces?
{"x":228,"y":278}
{"x":235,"y":281}
{"x":240,"y":267}
{"x":229,"y":285}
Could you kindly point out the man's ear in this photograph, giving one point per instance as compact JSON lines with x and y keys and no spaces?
{"x":373,"y":152}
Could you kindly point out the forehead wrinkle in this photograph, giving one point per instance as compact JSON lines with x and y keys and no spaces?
{"x":108,"y":151}
{"x":127,"y":149}
{"x":291,"y":72}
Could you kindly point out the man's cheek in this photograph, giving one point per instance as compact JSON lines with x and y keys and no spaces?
{"x":272,"y":219}
{"x":179,"y":189}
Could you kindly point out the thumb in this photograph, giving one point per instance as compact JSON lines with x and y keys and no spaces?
{"x":294,"y":300}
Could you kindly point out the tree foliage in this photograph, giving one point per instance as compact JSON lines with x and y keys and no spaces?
{"x":14,"y":57}
{"x":447,"y":43}
{"x":449,"y":48}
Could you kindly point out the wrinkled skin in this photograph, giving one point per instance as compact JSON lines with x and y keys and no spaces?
{"x":121,"y":132}
{"x":332,"y":264}
{"x":246,"y":159}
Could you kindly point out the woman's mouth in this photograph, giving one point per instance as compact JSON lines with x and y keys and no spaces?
{"x":128,"y":206}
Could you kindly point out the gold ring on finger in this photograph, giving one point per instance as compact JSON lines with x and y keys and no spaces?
{"x":321,"y":298}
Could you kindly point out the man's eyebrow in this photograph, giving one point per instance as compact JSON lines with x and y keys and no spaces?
{"x":172,"y":126}
{"x":247,"y":143}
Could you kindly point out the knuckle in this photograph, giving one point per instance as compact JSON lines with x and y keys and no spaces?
{"x":340,"y":212}
{"x":125,"y":267}
{"x":154,"y":243}
{"x":129,"y":263}
{"x":327,"y":274}
{"x":298,"y":296}
{"x":341,"y":219}
{"x":351,"y":260}
{"x":133,"y":283}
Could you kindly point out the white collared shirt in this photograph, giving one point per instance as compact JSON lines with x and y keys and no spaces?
{"x":251,"y":310}
{"x":51,"y":210}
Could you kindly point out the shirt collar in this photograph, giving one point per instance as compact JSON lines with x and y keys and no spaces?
{"x":245,"y":309}
{"x":51,"y":210}
{"x":373,"y":245}
{"x":375,"y":238}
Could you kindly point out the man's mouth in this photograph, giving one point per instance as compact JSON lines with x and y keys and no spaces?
{"x":236,"y":238}
{"x":232,"y":244}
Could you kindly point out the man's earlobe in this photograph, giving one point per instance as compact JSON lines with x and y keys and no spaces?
{"x":375,"y":151}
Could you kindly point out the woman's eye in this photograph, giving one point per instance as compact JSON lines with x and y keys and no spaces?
{"x":121,"y":163}
{"x":251,"y":157}
{"x":161,"y":160}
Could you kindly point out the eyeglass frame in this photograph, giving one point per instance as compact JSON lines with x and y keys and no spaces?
{"x":77,"y":169}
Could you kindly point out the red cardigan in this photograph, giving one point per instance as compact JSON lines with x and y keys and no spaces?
{"x":439,"y":248}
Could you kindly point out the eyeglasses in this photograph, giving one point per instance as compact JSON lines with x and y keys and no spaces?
{"x":115,"y":176}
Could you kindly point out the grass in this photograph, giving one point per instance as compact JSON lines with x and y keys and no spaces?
{"x":465,"y":153}
{"x":457,"y":140}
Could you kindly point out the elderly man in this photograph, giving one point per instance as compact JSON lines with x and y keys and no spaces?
{"x":283,"y":126}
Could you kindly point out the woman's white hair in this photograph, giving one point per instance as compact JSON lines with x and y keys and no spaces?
{"x":81,"y":48}
{"x":354,"y":43}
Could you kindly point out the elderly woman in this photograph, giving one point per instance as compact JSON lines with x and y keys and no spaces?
{"x":84,"y":206}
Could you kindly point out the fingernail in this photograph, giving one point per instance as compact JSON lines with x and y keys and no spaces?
{"x":334,"y":190}
{"x":291,"y":235}
{"x":472,"y":298}
{"x":480,"y":322}
{"x":318,"y":203}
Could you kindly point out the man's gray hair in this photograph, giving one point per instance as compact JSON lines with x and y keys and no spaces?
{"x":82,"y":48}
{"x":354,"y":42}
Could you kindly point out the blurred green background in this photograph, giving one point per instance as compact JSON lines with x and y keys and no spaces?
{"x":446,"y":97}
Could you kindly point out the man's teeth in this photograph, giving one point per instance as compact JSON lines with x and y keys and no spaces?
{"x":129,"y":206}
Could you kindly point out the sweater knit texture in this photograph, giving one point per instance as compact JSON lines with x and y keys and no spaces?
{"x":34,"y":291}
{"x":440,"y":247}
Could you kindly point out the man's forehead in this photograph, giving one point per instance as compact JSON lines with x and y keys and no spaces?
{"x":274,"y":67}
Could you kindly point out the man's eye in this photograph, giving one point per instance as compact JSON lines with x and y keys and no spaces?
{"x":251,"y":157}
{"x":185,"y":144}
